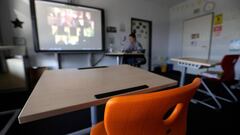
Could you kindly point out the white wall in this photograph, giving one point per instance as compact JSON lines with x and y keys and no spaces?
{"x":21,"y":10}
{"x":116,"y":12}
{"x":220,"y":44}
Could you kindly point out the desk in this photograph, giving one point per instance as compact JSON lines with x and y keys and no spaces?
{"x":2,"y":57}
{"x":119,"y":55}
{"x":61,"y":91}
{"x":17,"y":50}
{"x":196,"y":63}
{"x":12,"y":78}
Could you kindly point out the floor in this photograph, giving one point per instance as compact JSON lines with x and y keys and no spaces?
{"x":201,"y":120}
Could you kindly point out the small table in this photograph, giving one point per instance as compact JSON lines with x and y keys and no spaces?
{"x":62,"y":91}
{"x":197,"y":63}
{"x":194,"y":63}
{"x":119,"y":55}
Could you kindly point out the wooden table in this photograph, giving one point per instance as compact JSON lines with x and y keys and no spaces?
{"x":119,"y":55}
{"x":62,"y":91}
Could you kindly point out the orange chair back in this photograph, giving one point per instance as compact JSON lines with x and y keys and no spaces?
{"x":145,"y":114}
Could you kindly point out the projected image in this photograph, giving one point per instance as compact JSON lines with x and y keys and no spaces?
{"x":66,"y":27}
{"x":69,"y":27}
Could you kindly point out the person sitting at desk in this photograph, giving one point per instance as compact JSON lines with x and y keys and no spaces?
{"x":134,"y":46}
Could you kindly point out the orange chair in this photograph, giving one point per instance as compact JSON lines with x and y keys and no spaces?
{"x":145,"y":114}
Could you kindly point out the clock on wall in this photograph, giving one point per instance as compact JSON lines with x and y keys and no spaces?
{"x":209,"y":6}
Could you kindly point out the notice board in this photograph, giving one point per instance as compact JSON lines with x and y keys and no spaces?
{"x":197,"y":34}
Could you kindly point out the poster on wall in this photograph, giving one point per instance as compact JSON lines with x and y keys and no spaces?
{"x":218,"y":19}
{"x":217,"y":28}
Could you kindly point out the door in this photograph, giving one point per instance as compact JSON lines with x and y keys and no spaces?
{"x":143,"y":31}
{"x":197,"y":36}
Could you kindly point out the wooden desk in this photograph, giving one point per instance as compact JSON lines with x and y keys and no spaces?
{"x":119,"y":55}
{"x":61,"y":91}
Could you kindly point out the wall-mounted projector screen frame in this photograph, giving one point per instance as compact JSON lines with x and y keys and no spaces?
{"x":68,"y":43}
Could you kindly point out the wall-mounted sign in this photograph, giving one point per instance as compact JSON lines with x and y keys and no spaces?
{"x":217,"y":30}
{"x":218,"y":20}
{"x":111,"y":29}
{"x":195,"y":36}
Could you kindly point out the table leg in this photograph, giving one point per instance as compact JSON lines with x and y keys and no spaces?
{"x":183,"y":73}
{"x":94,"y":115}
{"x":121,"y":59}
{"x":118,"y":60}
{"x":182,"y":81}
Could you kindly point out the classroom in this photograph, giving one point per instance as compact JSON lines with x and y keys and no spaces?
{"x":119,"y":67}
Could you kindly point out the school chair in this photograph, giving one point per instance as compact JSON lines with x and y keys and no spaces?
{"x":227,"y":76}
{"x":158,"y":113}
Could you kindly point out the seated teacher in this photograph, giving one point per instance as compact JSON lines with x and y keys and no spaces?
{"x":134,"y":46}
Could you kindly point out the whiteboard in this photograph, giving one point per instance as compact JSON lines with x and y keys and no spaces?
{"x":197,"y":33}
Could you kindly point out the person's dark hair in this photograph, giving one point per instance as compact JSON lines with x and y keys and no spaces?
{"x":133,"y":35}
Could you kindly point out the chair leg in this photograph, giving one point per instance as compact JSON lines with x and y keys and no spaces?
{"x":208,"y":92}
{"x":230,"y":92}
{"x":11,"y":120}
{"x":213,"y":96}
{"x":221,"y":98}
{"x":218,"y":97}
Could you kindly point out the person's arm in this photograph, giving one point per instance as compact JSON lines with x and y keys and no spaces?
{"x":139,"y":47}
{"x":127,"y":49}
